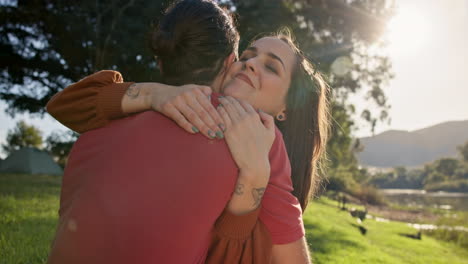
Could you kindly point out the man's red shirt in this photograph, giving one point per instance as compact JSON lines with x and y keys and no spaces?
{"x":142,"y":190}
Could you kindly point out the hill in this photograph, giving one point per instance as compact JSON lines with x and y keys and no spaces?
{"x":413,"y":148}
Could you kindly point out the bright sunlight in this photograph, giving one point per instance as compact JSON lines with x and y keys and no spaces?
{"x":407,"y":31}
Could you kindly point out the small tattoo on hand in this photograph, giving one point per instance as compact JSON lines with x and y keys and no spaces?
{"x":239,"y":189}
{"x":133,"y":91}
{"x":257,"y":196}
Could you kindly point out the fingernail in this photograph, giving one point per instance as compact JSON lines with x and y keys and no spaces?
{"x":220,"y":105}
{"x":194,"y":129}
{"x":211,"y":134}
{"x":209,"y":97}
{"x":219,"y":134}
{"x":220,"y":96}
{"x":223,"y":128}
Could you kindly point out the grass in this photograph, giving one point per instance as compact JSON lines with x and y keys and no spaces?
{"x":333,"y":237}
{"x":28,"y":215}
{"x":450,"y":218}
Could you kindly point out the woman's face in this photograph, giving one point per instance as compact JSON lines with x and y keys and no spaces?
{"x":262,"y":75}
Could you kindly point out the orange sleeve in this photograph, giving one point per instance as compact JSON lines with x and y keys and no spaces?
{"x":90,"y":103}
{"x":240,"y":239}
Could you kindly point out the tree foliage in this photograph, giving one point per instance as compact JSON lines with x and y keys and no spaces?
{"x":463,"y":149}
{"x":23,"y":135}
{"x":47,"y":44}
{"x":59,"y":145}
{"x":445,"y":174}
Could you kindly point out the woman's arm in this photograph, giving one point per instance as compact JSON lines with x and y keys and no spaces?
{"x":90,"y":103}
{"x":249,"y":136}
{"x":188,"y":105}
{"x":294,"y":253}
{"x":240,"y":239}
{"x":101,"y":97}
{"x":250,"y":142}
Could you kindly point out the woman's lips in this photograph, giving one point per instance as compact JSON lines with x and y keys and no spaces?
{"x":245,"y":78}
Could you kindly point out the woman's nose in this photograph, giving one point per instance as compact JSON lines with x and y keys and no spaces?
{"x":250,"y":65}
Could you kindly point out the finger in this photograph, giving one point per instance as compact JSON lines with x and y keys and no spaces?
{"x":218,"y":122}
{"x":206,"y":90}
{"x":226,"y":119}
{"x":174,"y":114}
{"x":267,"y":120}
{"x":203,"y":115}
{"x":247,"y":107}
{"x":240,"y":110}
{"x":230,"y":109}
{"x":193,"y":118}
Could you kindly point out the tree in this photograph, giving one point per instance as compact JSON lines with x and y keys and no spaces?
{"x":463,"y":149}
{"x":60,"y":144}
{"x":446,"y":166}
{"x":23,"y":135}
{"x":47,"y":44}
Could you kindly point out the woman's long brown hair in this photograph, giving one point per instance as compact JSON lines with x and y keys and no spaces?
{"x":305,"y":130}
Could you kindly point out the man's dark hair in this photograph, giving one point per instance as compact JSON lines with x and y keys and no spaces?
{"x":192,"y":40}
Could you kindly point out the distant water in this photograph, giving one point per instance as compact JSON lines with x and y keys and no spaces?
{"x":421,"y":198}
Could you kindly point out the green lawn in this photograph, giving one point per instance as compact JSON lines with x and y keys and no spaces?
{"x":28,"y":215}
{"x":334,"y":238}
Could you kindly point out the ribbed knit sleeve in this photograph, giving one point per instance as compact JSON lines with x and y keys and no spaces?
{"x":240,"y":239}
{"x":90,"y":103}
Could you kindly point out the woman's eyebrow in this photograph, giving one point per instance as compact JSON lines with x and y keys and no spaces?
{"x":254,"y":49}
{"x":270,"y":54}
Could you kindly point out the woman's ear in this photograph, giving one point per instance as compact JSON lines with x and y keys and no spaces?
{"x":281,"y":116}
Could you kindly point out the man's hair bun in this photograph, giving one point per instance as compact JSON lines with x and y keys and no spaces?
{"x":192,"y":40}
{"x":163,"y":43}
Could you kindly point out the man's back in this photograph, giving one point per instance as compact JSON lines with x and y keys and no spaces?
{"x":142,"y":190}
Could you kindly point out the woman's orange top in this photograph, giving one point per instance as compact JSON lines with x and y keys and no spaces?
{"x":95,"y":101}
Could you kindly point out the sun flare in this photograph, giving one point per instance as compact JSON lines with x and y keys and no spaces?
{"x":407,"y":31}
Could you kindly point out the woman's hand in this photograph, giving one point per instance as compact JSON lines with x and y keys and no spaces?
{"x":249,"y":136}
{"x":190,"y":107}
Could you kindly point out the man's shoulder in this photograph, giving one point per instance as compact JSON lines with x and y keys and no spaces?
{"x":151,"y":136}
{"x":146,"y":122}
{"x":152,"y":128}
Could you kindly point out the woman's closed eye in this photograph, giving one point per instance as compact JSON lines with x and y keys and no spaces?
{"x":271,"y":68}
{"x":244,"y":58}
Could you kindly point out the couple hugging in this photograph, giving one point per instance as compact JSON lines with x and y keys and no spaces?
{"x":205,"y":177}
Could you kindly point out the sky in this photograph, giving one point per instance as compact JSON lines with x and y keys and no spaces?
{"x":428,"y":47}
{"x":429,"y":52}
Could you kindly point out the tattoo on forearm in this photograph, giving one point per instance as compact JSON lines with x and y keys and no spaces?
{"x":257,"y":195}
{"x":239,"y":189}
{"x":133,"y":91}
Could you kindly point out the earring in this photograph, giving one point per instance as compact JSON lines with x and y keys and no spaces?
{"x":280,"y":117}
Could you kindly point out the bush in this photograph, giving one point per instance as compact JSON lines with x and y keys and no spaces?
{"x":452,"y":186}
{"x":369,"y":195}
{"x":458,"y":237}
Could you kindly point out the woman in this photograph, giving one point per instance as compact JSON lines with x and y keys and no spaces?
{"x":290,"y":74}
